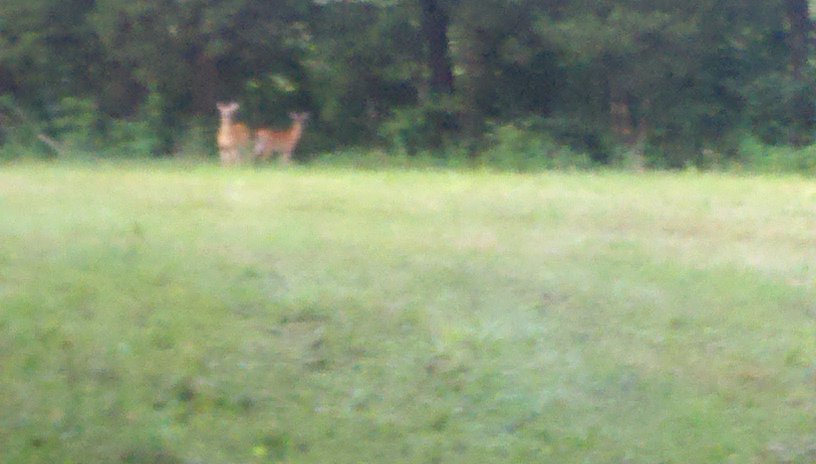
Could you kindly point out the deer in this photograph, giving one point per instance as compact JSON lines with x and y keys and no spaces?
{"x":233,"y":137}
{"x":269,"y":141}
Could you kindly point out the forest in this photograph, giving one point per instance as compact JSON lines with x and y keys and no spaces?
{"x":514,"y":83}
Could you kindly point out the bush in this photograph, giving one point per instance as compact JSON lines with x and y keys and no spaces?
{"x":83,"y":131}
{"x":77,"y":124}
{"x":17,"y":142}
{"x":128,"y":138}
{"x":777,"y":159}
{"x":197,"y":141}
{"x":518,"y":148}
{"x":13,"y":149}
{"x":410,"y":130}
{"x":769,"y":100}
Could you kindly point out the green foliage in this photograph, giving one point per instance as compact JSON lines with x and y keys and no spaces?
{"x":18,"y":132}
{"x":363,"y":65}
{"x":196,"y":142}
{"x":77,"y":123}
{"x":132,"y":76}
{"x":47,"y":50}
{"x":17,"y":144}
{"x":760,"y":157}
{"x":411,"y":129}
{"x":519,"y":147}
{"x":131,"y":138}
{"x":769,"y":102}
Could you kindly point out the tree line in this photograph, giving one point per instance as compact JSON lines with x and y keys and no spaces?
{"x":671,"y":83}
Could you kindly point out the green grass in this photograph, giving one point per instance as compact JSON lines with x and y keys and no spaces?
{"x":189,"y":314}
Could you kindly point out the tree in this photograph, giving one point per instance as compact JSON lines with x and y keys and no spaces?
{"x":803,"y":103}
{"x":435,"y":22}
{"x":594,"y":74}
{"x":673,"y":73}
{"x":47,"y":50}
{"x":196,"y":51}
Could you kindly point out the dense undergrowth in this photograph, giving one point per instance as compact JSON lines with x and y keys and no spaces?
{"x":77,"y":131}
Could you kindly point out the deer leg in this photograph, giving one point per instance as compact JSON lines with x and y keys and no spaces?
{"x":260,"y":147}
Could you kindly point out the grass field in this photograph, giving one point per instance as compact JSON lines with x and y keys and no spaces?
{"x":189,"y":314}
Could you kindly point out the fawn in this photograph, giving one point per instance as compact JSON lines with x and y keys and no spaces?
{"x":268,"y":141}
{"x":233,"y":138}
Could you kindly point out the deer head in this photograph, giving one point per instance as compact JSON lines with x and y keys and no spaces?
{"x":227,"y":110}
{"x":299,"y":117}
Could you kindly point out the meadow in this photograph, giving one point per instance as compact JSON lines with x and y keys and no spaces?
{"x":172,"y":313}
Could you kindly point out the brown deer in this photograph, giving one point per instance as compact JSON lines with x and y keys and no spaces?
{"x":233,"y":138}
{"x":268,"y":141}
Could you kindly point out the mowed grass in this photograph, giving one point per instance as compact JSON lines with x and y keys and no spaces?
{"x":176,"y":314}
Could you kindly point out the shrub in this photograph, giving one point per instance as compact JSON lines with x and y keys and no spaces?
{"x":77,"y":124}
{"x":131,"y":138}
{"x":18,"y":133}
{"x":413,"y":129}
{"x":13,"y":149}
{"x":767,"y":158}
{"x":197,"y":141}
{"x":518,"y":148}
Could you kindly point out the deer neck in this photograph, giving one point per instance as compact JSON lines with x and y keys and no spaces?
{"x":226,"y":124}
{"x":297,"y":129}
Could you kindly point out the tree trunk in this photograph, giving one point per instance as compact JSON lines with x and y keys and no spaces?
{"x":800,"y":27}
{"x":204,"y":81}
{"x":435,"y":23}
{"x":802,"y":106}
{"x":7,"y":83}
{"x":629,"y":123}
{"x":477,"y":92}
{"x":620,"y":113}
